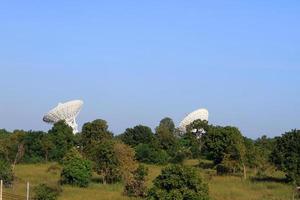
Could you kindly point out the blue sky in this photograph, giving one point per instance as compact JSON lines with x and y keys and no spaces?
{"x":135,"y":62}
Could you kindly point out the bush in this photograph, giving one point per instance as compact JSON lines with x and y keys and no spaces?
{"x":6,"y":173}
{"x":178,"y":182}
{"x":45,"y":192}
{"x":76,"y":170}
{"x":136,"y":186}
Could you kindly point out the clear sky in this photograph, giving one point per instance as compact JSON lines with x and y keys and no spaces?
{"x":135,"y":62}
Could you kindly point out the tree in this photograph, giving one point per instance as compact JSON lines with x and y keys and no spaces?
{"x":76,"y":170}
{"x":192,"y":139}
{"x":168,"y":123}
{"x":33,"y":146}
{"x":47,"y":145}
{"x":286,"y":155}
{"x":165,"y":135}
{"x":6,"y":173}
{"x":93,"y":132}
{"x":178,"y":182}
{"x":62,"y":138}
{"x":225,"y":142}
{"x":126,"y":159}
{"x":138,"y":135}
{"x":106,"y":162}
{"x":256,"y":156}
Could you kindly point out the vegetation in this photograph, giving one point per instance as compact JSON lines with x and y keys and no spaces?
{"x":62,"y":140}
{"x":179,"y":182}
{"x":286,"y":153}
{"x":138,"y":135}
{"x":45,"y":192}
{"x":6,"y":173}
{"x":107,"y":165}
{"x":94,"y":132}
{"x":76,"y":170}
{"x":135,"y":187}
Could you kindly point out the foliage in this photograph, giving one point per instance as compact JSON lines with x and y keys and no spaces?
{"x":138,"y":135}
{"x":198,"y":126}
{"x":190,"y":142}
{"x":147,"y":154}
{"x":136,"y":187}
{"x":33,"y":146}
{"x":165,"y":135}
{"x":76,"y":170}
{"x":168,"y":123}
{"x":45,"y":192}
{"x":126,"y":159}
{"x":178,"y":182}
{"x":62,"y":137}
{"x":93,"y":132}
{"x":286,"y":155}
{"x":6,"y":173}
{"x":219,"y":141}
{"x":106,"y":162}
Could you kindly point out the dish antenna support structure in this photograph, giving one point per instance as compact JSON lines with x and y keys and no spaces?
{"x":67,"y":111}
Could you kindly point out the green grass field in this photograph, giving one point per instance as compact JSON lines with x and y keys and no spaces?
{"x":221,"y":187}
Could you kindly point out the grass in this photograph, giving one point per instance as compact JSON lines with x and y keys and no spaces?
{"x":221,"y":187}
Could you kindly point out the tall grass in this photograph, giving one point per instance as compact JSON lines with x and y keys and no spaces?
{"x":221,"y":187}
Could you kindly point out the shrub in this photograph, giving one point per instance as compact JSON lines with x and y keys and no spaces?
{"x":76,"y":170}
{"x":178,"y":182}
{"x":179,"y":157}
{"x":45,"y":192}
{"x":160,"y":157}
{"x":6,"y":173}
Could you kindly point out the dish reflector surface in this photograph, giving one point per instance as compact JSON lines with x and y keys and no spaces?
{"x":65,"y":111}
{"x":201,"y":114}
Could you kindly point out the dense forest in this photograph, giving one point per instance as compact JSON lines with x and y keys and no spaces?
{"x":122,"y":158}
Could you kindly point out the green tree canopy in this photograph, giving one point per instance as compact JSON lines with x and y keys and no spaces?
{"x":138,"y":135}
{"x":286,"y":155}
{"x":165,"y":135}
{"x":167,"y":123}
{"x":62,"y":137}
{"x":94,"y":131}
{"x":219,"y":141}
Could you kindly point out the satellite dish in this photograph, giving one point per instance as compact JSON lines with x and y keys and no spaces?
{"x":201,"y":114}
{"x":65,"y":111}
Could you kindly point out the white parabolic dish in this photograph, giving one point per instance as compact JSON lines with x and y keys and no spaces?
{"x":201,"y":114}
{"x":65,"y":111}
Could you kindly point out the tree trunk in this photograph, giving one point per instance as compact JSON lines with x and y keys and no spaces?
{"x":245,"y":172}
